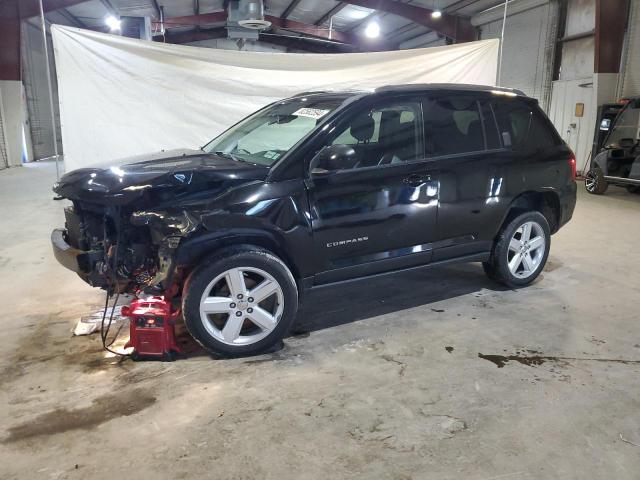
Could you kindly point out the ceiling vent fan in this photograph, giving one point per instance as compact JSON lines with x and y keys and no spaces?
{"x":246,"y":18}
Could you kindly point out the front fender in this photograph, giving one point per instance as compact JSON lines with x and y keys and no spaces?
{"x":272,"y":216}
{"x":193,"y":250}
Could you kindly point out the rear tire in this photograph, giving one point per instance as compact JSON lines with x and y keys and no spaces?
{"x":595,"y":182}
{"x":520,"y":251}
{"x":633,"y":189}
{"x":240,"y":303}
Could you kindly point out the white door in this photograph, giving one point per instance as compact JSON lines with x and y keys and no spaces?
{"x":569,"y":99}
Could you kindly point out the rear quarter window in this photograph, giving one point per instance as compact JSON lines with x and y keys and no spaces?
{"x":524,"y":125}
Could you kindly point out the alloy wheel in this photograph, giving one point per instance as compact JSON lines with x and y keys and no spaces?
{"x":241,"y":306}
{"x":526,"y":249}
{"x":591,"y":181}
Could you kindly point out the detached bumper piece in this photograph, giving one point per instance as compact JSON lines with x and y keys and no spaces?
{"x":66,"y":255}
{"x":76,"y":260}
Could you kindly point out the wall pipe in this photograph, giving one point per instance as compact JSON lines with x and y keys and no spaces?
{"x":504,"y":22}
{"x":53,"y":114}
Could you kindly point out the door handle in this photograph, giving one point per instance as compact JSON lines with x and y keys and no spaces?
{"x":416,"y":180}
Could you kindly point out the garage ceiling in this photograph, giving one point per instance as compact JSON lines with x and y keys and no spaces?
{"x":306,"y":20}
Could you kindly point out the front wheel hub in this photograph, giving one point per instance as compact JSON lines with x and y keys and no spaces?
{"x":526,"y":249}
{"x":227,"y":316}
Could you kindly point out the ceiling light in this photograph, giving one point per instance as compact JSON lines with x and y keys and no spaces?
{"x":436,"y":14}
{"x":372,"y":30}
{"x":112,"y":22}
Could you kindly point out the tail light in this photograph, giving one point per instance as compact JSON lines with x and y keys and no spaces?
{"x":573,"y":166}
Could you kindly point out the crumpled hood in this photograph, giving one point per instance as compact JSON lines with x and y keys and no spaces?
{"x":185,"y":171}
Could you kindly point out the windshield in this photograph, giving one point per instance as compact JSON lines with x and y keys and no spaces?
{"x":264,"y":137}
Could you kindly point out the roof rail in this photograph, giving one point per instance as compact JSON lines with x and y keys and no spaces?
{"x":329,"y":92}
{"x":312,"y":92}
{"x":448,"y":86}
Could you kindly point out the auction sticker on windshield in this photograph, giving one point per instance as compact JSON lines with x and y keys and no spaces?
{"x":314,"y":113}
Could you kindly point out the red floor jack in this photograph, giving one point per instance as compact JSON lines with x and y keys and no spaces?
{"x":152,"y":328}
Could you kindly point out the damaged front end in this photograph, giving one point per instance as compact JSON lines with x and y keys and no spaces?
{"x":126,"y":223}
{"x":119,"y":250}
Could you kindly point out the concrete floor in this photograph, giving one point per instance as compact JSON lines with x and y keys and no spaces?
{"x":366,"y":389}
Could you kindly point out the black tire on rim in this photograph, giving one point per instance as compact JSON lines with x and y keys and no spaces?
{"x":595,"y":182}
{"x":520,"y":251}
{"x":242,"y":302}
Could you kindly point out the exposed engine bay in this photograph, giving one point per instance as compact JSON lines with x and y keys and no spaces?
{"x":118,"y":256}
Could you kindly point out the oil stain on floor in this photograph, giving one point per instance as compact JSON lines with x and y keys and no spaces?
{"x":535,"y":359}
{"x":103,"y":409}
{"x":501,"y":360}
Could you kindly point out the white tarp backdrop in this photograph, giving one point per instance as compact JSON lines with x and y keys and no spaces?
{"x":121,"y":97}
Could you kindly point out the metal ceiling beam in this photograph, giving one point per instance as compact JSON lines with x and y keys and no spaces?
{"x":460,"y":4}
{"x":457,"y":28}
{"x":611,"y":21}
{"x":71,"y":19}
{"x":10,"y":40}
{"x":110,"y":8}
{"x":31,"y":8}
{"x":316,"y":31}
{"x":334,"y":11}
{"x":278,"y":22}
{"x":413,"y":37}
{"x":290,"y":8}
{"x":354,"y":26}
{"x":192,"y":36}
{"x":311,"y":30}
{"x":11,"y":14}
{"x":298,"y":43}
{"x":194,"y":20}
{"x":301,"y":43}
{"x":403,"y":30}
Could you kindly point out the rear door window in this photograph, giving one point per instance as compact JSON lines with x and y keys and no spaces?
{"x":453,"y":126}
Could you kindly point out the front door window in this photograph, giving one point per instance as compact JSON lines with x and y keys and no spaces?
{"x":385,"y":135}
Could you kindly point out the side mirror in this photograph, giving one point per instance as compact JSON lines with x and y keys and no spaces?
{"x":331,"y":158}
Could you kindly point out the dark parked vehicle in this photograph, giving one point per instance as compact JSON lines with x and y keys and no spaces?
{"x":618,"y":163}
{"x":318,"y":189}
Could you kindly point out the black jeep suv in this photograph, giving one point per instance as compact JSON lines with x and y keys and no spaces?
{"x":322,"y":188}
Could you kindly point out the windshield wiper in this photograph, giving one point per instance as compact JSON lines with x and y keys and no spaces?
{"x":226,"y":155}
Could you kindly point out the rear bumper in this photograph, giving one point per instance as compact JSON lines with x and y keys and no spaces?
{"x":66,"y":255}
